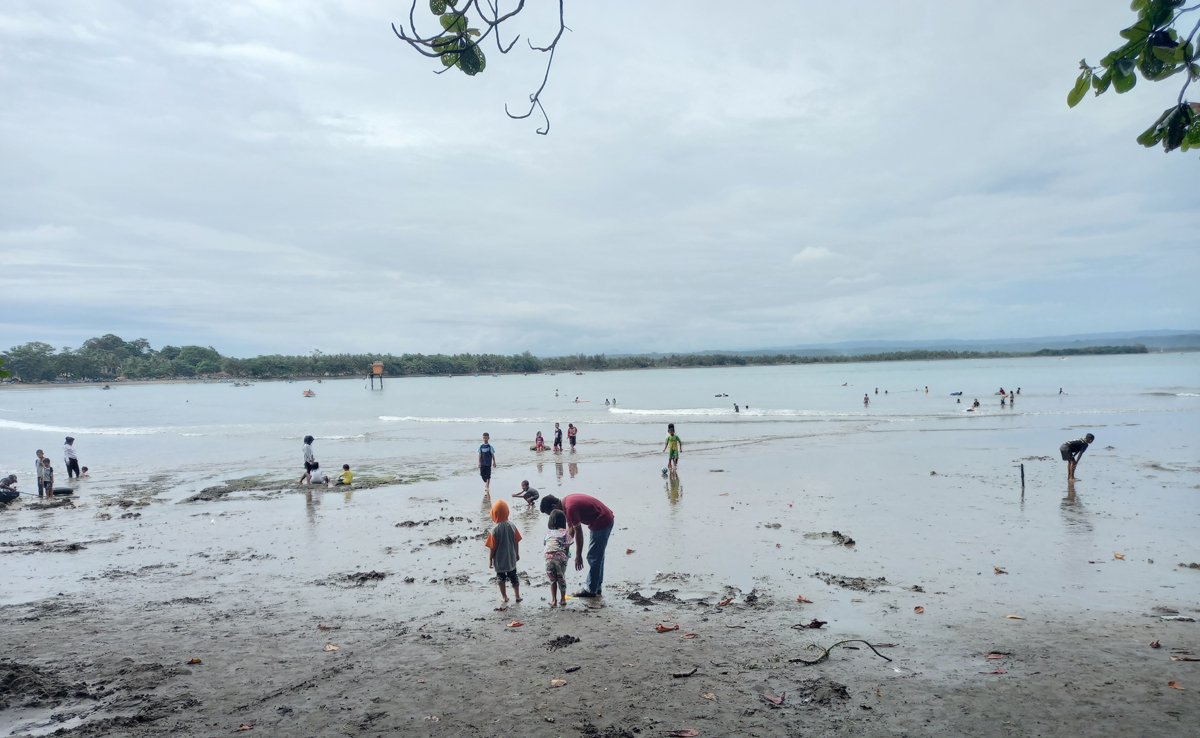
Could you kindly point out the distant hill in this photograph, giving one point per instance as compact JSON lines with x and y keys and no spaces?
{"x":1149,"y":339}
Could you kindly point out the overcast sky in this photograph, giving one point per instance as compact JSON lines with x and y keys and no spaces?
{"x":283,"y":175}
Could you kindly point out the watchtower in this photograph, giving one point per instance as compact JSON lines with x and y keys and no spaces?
{"x":377,"y":371}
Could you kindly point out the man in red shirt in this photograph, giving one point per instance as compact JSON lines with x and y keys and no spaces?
{"x":586,"y":510}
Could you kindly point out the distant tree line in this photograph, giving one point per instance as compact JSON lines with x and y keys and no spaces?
{"x":110,"y":357}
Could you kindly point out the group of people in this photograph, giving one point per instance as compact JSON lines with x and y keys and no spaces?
{"x":43,"y":473}
{"x":539,"y":443}
{"x":313,"y":473}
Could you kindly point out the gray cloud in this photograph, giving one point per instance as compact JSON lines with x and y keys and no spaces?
{"x":272,"y":176}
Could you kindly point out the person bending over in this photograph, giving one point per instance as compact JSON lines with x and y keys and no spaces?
{"x":586,"y":510}
{"x":1072,"y":452}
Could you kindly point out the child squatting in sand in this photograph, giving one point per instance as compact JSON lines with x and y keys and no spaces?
{"x":504,"y":550}
{"x":558,"y":551}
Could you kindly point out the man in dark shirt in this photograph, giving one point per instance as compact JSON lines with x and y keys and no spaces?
{"x":1072,"y":452}
{"x":585,"y":510}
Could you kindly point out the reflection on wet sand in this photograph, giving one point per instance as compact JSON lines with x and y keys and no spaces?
{"x":674,"y":489}
{"x":310,"y":506}
{"x":558,"y":472}
{"x":1073,"y":511}
{"x":572,"y":468}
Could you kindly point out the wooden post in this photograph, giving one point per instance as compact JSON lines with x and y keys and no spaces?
{"x":1022,"y":477}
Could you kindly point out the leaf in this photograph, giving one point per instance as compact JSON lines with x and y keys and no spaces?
{"x":996,"y":655}
{"x":1080,"y":89}
{"x":709,"y":696}
{"x":331,"y":647}
{"x":1014,"y":617}
{"x":996,"y":671}
{"x":1184,"y":658}
{"x":628,"y":550}
{"x":245,"y":726}
{"x":1119,"y":556}
{"x":1174,"y":684}
{"x":454,"y":22}
{"x":1177,"y":127}
{"x":195,"y":661}
{"x":1155,"y":644}
{"x":683,"y":732}
{"x":918,"y":609}
{"x":725,"y":602}
{"x":802,"y":598}
{"x":558,"y":682}
{"x":775,"y":700}
{"x":437,"y":7}
{"x":1124,"y":82}
{"x":999,"y":570}
{"x":688,"y":635}
{"x":1101,"y":82}
{"x":515,"y":624}
{"x":665,"y":628}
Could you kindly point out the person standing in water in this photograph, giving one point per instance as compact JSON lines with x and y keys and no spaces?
{"x":70,"y":460}
{"x":310,"y":461}
{"x":1072,"y":452}
{"x":572,"y":431}
{"x":581,"y":510}
{"x":675,"y":446}
{"x":37,"y":470}
{"x":866,"y":400}
{"x":485,"y":461}
{"x":557,"y":439}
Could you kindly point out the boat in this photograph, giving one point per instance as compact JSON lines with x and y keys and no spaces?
{"x":309,"y":393}
{"x":579,"y":374}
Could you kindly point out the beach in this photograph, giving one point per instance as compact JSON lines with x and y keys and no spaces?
{"x":192,"y":540}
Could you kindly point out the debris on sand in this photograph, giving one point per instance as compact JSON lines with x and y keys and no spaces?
{"x":639,"y":599}
{"x":558,"y":682}
{"x":836,"y":537}
{"x":859,"y":584}
{"x":448,"y":541}
{"x":821,"y":691}
{"x":665,"y":628}
{"x":1192,"y":565}
{"x":773,"y":525}
{"x":685,"y":674}
{"x":561,"y":642}
{"x":814,"y":625}
{"x":776,"y":701}
{"x":362,"y":577}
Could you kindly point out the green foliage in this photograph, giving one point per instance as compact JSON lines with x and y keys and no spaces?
{"x":4,"y":373}
{"x":1154,"y":49}
{"x":455,"y":45}
{"x":40,"y":362}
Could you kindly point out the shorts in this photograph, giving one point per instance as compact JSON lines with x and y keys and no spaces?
{"x":1066,"y":452}
{"x":486,"y":473}
{"x":309,"y":466}
{"x":531,"y":496}
{"x":572,"y":439}
{"x":509,"y":575}
{"x":674,"y":455}
{"x":556,"y":572}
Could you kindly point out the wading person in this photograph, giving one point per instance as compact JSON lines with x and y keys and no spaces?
{"x":37,"y":470}
{"x":485,"y":461}
{"x":581,"y":510}
{"x":1072,"y":452}
{"x":557,"y":439}
{"x":310,"y":461}
{"x":673,"y":446}
{"x":70,"y":460}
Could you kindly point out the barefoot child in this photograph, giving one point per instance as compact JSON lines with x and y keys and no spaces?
{"x":527,"y":493}
{"x":674,"y":445}
{"x":558,"y":550}
{"x":504,"y":550}
{"x":346,"y":477}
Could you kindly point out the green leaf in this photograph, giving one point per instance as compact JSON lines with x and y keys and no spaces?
{"x":1080,"y":89}
{"x":1137,"y":4}
{"x":472,"y":31}
{"x":1154,"y":133}
{"x":454,"y":22}
{"x":1123,"y":83}
{"x":437,"y":6}
{"x":471,"y":60}
{"x":1177,"y":127}
{"x":449,"y":60}
{"x":1101,"y":82}
{"x":1192,"y":139}
{"x":1138,"y":31}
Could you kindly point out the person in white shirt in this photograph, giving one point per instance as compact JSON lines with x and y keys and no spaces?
{"x":316,"y":476}
{"x":310,"y":461}
{"x":70,"y":459}
{"x":37,"y":470}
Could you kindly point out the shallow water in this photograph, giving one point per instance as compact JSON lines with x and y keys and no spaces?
{"x":806,"y":455}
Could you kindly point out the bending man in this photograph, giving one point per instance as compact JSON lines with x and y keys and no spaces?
{"x":585,"y":510}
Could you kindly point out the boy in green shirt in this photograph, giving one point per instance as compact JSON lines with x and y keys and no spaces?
{"x":675,"y":446}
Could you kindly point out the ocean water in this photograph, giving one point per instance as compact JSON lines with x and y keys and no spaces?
{"x":143,"y":429}
{"x":930,"y":492}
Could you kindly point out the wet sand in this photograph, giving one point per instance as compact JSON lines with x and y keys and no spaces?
{"x":243,"y":577}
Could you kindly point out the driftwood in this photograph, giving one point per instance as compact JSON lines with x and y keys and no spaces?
{"x":825,"y":654}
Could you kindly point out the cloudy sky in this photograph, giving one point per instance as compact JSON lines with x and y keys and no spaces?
{"x":271,"y":175}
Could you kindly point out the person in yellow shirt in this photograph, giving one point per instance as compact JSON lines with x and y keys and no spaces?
{"x":675,"y":446}
{"x":346,"y":477}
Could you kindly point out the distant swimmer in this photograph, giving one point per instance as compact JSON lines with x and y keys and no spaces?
{"x":1072,"y":452}
{"x":926,"y":389}
{"x":735,"y":408}
{"x":1060,"y":390}
{"x":845,"y":383}
{"x":605,"y":400}
{"x":556,"y":393}
{"x":876,"y":390}
{"x":1018,"y":390}
{"x":958,"y":400}
{"x":866,"y":400}
{"x":1002,"y":400}
{"x":614,"y":401}
{"x":976,"y":403}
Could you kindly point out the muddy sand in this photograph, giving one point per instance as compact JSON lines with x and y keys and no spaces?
{"x":156,"y":609}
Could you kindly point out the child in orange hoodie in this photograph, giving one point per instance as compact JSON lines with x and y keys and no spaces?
{"x":504,"y":550}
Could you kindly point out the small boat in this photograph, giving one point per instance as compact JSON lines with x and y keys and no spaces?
{"x":309,"y":393}
{"x":579,"y":374}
